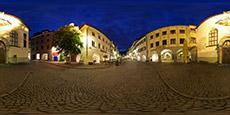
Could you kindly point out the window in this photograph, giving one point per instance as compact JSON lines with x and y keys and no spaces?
{"x":157,"y":34}
{"x":213,"y":37}
{"x":41,"y":41}
{"x":103,"y":47}
{"x":151,"y":37}
{"x":48,"y":40}
{"x":48,"y":47}
{"x":164,"y":32}
{"x":41,"y":47}
{"x":157,"y":43}
{"x":14,"y":38}
{"x":99,"y":45}
{"x":151,"y":45}
{"x":93,"y":44}
{"x":181,"y":40}
{"x":173,"y":41}
{"x":103,"y":39}
{"x":99,"y":37}
{"x":182,"y":31}
{"x":193,"y":40}
{"x":93,"y":34}
{"x":173,"y":31}
{"x":164,"y":42}
{"x":25,"y":40}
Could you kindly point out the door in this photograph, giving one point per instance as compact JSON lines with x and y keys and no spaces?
{"x":2,"y":52}
{"x":226,"y":52}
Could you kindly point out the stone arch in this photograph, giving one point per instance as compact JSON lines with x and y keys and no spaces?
{"x":2,"y":52}
{"x":166,"y":55}
{"x":180,"y":56}
{"x":193,"y":54}
{"x":155,"y":57}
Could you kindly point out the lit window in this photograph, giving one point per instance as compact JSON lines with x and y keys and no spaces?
{"x":213,"y":37}
{"x":172,"y":41}
{"x":14,"y":38}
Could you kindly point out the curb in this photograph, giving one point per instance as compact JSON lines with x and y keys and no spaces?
{"x":185,"y":95}
{"x":20,"y":85}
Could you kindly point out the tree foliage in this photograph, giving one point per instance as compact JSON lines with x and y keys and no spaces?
{"x":68,"y":40}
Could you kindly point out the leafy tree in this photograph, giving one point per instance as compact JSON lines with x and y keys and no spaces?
{"x":68,"y":40}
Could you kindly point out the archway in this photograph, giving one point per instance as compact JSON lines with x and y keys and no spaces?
{"x":166,"y":55}
{"x":226,"y":52}
{"x":155,"y":57}
{"x":96,"y":58}
{"x":143,"y":58}
{"x":138,"y":58}
{"x":180,"y":56}
{"x":2,"y":52}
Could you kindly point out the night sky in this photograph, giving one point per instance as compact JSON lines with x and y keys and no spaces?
{"x":123,"y":21}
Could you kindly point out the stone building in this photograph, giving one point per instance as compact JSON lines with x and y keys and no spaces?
{"x":13,"y":40}
{"x":41,"y":46}
{"x":214,"y":39}
{"x":166,"y":44}
{"x":97,"y":46}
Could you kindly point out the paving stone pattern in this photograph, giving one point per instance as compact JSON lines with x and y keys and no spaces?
{"x":130,"y":88}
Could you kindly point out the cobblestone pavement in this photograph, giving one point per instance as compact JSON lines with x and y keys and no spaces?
{"x":132,"y":88}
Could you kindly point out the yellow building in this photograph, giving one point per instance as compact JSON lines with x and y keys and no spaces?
{"x":167,"y":44}
{"x":214,"y":39}
{"x":13,"y":40}
{"x":97,"y":46}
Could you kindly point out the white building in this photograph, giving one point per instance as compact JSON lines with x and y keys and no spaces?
{"x":13,"y":40}
{"x":214,"y":39}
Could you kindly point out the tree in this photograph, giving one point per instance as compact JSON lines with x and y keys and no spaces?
{"x":68,"y":40}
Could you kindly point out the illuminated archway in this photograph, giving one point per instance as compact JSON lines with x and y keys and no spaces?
{"x":143,"y":58}
{"x":96,"y":58}
{"x":155,"y":57}
{"x":2,"y":52}
{"x":166,"y":55}
{"x":138,"y":58}
{"x":180,"y":56}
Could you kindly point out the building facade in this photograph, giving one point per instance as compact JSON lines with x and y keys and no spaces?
{"x":41,"y":46}
{"x":167,"y":44}
{"x":97,"y":46}
{"x":214,"y":39}
{"x":13,"y":40}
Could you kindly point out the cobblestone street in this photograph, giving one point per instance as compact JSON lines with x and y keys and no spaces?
{"x":131,"y":88}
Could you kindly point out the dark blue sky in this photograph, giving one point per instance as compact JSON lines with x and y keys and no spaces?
{"x":122,"y":21}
